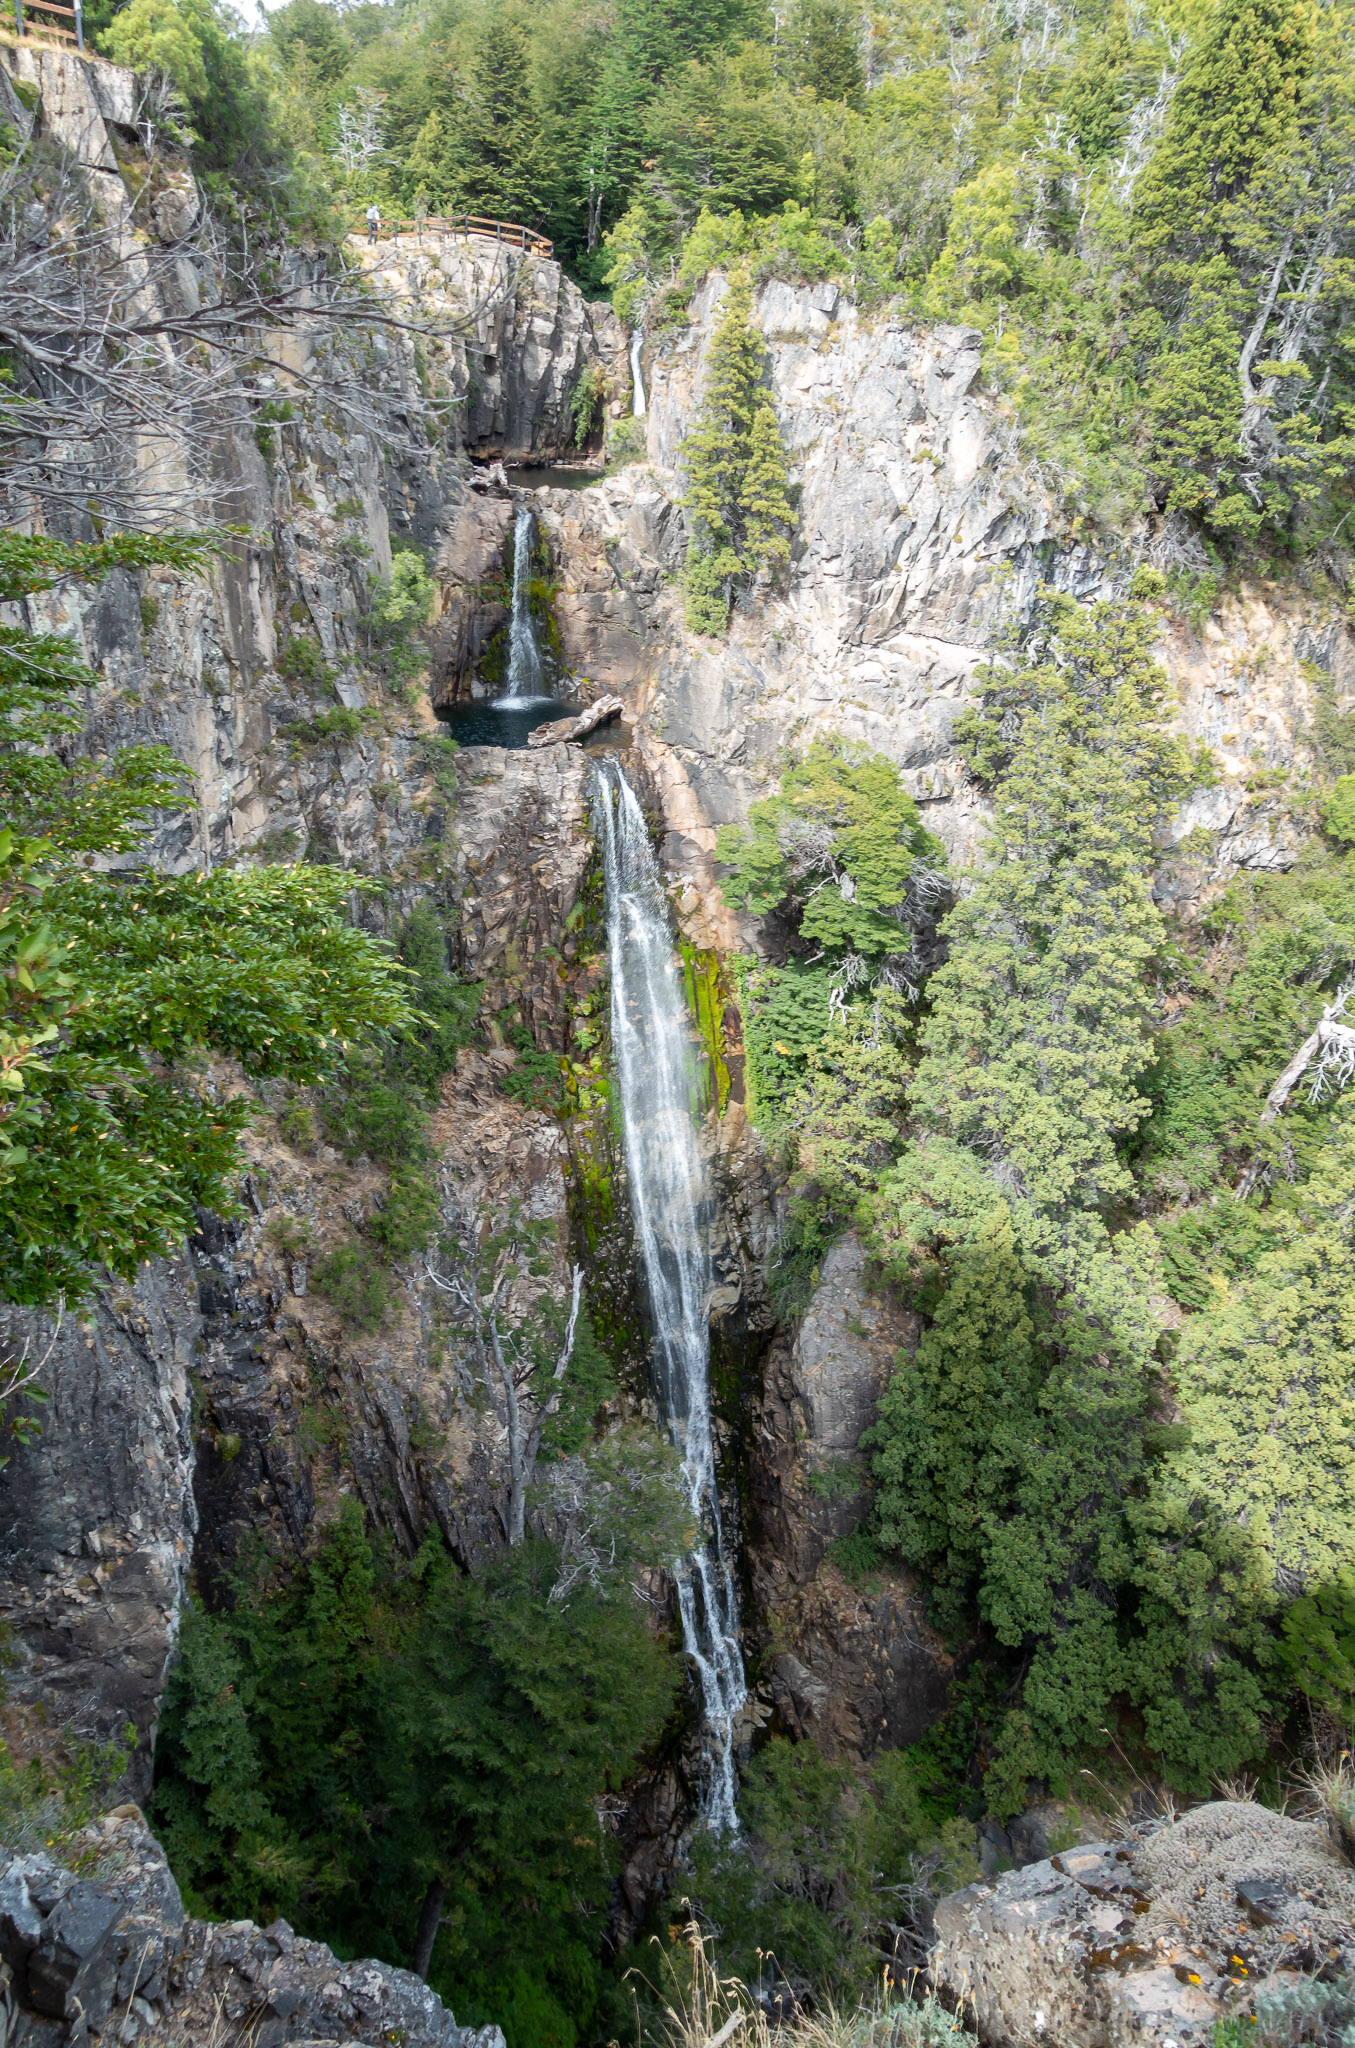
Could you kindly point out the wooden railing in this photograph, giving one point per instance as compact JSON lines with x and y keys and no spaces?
{"x":507,"y":234}
{"x":32,"y":27}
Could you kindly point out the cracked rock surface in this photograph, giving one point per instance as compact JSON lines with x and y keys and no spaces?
{"x":1146,"y":1943}
{"x":114,"y":1958}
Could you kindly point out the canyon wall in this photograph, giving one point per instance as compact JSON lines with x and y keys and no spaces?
{"x":221,"y":1398}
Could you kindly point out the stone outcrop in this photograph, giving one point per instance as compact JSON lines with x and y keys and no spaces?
{"x":1146,"y":1943}
{"x":852,"y":1665}
{"x":97,"y":1517}
{"x":923,"y":530}
{"x":529,"y":338}
{"x":115,"y":1959}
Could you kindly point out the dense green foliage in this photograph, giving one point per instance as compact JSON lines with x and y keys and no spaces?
{"x":1114,"y":1512}
{"x":115,"y":982}
{"x":1016,"y":1454}
{"x":344,"y":1737}
{"x":839,"y":862}
{"x":823,"y":1875}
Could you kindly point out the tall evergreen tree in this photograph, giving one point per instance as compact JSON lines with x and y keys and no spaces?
{"x":501,"y":165}
{"x":1234,"y":108}
{"x":737,"y":494}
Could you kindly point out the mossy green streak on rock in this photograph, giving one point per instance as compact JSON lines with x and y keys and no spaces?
{"x":704,"y":986}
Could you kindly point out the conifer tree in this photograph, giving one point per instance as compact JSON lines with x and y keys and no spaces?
{"x":1038,"y":1025}
{"x":500,"y":146}
{"x":1231,"y":112}
{"x":737,"y":492}
{"x":1014,"y":1451}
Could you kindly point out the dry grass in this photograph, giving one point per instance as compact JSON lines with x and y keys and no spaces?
{"x":1328,"y":1789}
{"x":699,"y":2008}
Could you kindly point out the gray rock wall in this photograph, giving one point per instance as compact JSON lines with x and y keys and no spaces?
{"x":97,"y":1517}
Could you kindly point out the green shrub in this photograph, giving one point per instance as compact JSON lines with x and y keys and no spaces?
{"x":1338,"y":812}
{"x":50,"y":1797}
{"x":292,"y":1236}
{"x":340,"y":724}
{"x":535,"y":1078}
{"x":355,"y":1281}
{"x":1317,"y":1646}
{"x":408,"y":1217}
{"x":822,"y":1871}
{"x":302,"y":661}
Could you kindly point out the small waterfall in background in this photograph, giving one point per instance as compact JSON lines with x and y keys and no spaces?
{"x":637,"y":376}
{"x":526,"y":671}
{"x":658,"y":1102}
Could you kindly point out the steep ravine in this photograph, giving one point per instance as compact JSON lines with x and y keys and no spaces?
{"x":221,"y":1398}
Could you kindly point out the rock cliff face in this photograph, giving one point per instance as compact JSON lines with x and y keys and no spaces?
{"x":99,"y":1516}
{"x":922,"y":532}
{"x":854,"y":1668}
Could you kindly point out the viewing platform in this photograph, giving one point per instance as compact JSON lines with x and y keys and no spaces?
{"x":439,"y":229}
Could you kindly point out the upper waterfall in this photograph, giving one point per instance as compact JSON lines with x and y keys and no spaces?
{"x":637,"y":375}
{"x":526,"y":670}
{"x":668,"y":1198}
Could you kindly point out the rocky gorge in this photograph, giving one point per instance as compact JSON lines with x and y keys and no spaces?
{"x":220,"y":1399}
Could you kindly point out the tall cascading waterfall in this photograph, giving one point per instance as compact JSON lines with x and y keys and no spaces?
{"x":637,"y":376}
{"x":526,"y":671}
{"x":667,"y":1191}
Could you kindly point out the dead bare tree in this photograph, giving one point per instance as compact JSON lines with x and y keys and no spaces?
{"x":505,"y":1340}
{"x":139,"y":345}
{"x":1329,"y":1049}
{"x":20,"y":1373}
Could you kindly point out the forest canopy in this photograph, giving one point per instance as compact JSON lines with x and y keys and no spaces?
{"x":1148,"y":217}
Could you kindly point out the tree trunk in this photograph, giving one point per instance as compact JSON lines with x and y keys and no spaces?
{"x":430,"y":1919}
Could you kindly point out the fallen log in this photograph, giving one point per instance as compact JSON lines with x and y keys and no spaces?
{"x":561,"y":731}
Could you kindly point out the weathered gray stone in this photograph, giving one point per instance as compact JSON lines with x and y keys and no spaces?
{"x":1145,"y":1943}
{"x":97,"y":1516}
{"x":115,"y":1960}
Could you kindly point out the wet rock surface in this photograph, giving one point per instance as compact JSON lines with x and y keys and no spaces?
{"x":1147,"y":1941}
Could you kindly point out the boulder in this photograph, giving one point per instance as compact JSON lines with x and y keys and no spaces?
{"x":85,"y":1961}
{"x":1148,"y":1942}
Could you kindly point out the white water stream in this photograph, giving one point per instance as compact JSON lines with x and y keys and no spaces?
{"x":637,"y":376}
{"x":526,"y":683}
{"x":668,"y":1194}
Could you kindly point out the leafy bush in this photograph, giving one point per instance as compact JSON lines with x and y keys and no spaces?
{"x":823,"y":1869}
{"x":1338,"y":812}
{"x":1317,"y":1646}
{"x":302,"y":661}
{"x":408,"y":1217}
{"x":355,"y":1281}
{"x":340,"y":724}
{"x":401,"y":604}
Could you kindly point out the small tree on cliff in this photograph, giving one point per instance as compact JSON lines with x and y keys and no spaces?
{"x":737,"y":492}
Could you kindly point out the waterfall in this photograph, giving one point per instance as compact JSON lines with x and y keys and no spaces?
{"x":637,"y":376}
{"x":667,"y":1191}
{"x":526,"y":672}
